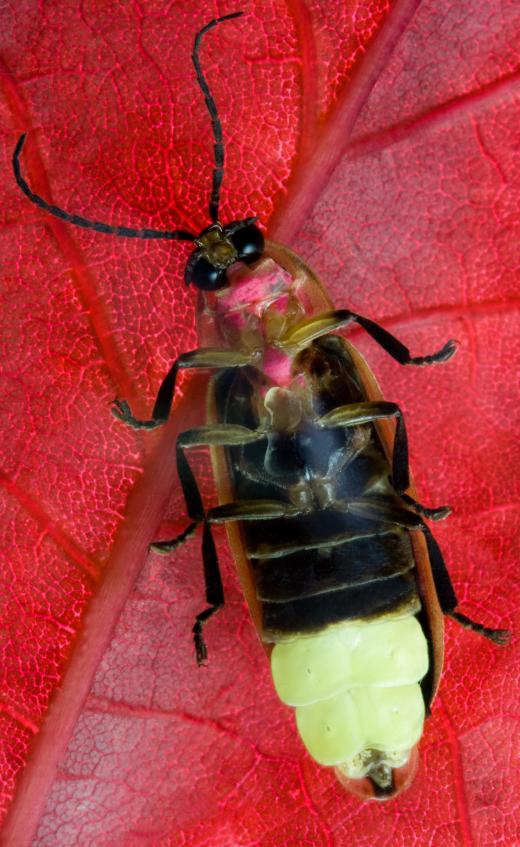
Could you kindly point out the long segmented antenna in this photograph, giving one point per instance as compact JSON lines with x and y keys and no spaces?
{"x":125,"y":231}
{"x":218,"y":171}
{"x":77,"y":220}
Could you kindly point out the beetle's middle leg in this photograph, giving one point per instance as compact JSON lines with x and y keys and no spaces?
{"x":212,"y":577}
{"x":355,"y":414}
{"x":222,"y":435}
{"x":225,"y":434}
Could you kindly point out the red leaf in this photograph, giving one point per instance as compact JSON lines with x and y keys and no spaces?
{"x":385,"y":143}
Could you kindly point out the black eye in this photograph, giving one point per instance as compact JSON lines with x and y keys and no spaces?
{"x":249,"y":243}
{"x":203,"y":274}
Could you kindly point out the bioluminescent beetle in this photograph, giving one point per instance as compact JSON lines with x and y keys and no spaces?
{"x":346,"y":584}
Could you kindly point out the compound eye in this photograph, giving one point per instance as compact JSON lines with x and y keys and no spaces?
{"x":249,"y":243}
{"x":204,"y":275}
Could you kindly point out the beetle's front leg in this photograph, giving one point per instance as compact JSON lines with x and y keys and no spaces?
{"x":308,"y":329}
{"x":205,"y":358}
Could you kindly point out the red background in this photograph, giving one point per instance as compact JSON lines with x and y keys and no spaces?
{"x":379,"y":140}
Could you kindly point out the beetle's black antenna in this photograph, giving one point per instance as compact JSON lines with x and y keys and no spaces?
{"x":125,"y":231}
{"x":218,"y":172}
{"x":77,"y":220}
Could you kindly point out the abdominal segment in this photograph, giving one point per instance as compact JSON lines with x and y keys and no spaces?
{"x":355,"y":688}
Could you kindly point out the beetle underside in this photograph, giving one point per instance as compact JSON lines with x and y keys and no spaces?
{"x":335,"y":578}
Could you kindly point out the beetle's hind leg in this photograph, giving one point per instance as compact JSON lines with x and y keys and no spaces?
{"x":448,"y":599}
{"x":365,"y":412}
{"x":212,"y":577}
{"x":498,"y":636}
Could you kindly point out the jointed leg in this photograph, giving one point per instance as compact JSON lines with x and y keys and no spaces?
{"x":230,"y":435}
{"x":438,"y":513}
{"x":166,"y":547}
{"x":204,"y":435}
{"x":214,"y":592}
{"x":448,"y":599}
{"x":205,"y":358}
{"x":359,"y":413}
{"x":399,"y":351}
{"x":384,"y":512}
{"x":498,"y":636}
{"x":193,"y":502}
{"x":212,"y":577}
{"x":305,"y":331}
{"x":367,"y":412}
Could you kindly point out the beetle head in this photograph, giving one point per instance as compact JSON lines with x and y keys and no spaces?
{"x":219,"y":247}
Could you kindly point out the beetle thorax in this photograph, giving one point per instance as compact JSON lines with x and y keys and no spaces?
{"x":257,"y":307}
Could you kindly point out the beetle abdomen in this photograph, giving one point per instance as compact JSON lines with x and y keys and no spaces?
{"x":366,"y":560}
{"x":355,"y":688}
{"x":327,"y":566}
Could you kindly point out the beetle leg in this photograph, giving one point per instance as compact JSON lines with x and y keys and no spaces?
{"x":366,"y":412}
{"x":205,"y":358}
{"x":229,"y":435}
{"x":305,"y":331}
{"x":203,"y":436}
{"x":212,"y":577}
{"x":214,"y":591}
{"x":226,"y":434}
{"x":165,"y":547}
{"x":448,"y":599}
{"x":498,"y":636}
{"x":436,"y":514}
{"x":382,"y":511}
{"x":254,"y":474}
{"x":253,"y":510}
